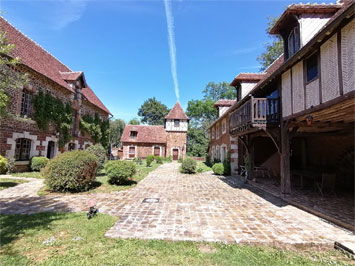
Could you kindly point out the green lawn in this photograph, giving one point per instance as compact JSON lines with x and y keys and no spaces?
{"x":9,"y":182}
{"x":28,"y":174}
{"x":102,"y":186}
{"x":23,"y":237}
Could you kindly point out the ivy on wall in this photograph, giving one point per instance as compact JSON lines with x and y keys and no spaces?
{"x":47,"y":110}
{"x":96,"y":128}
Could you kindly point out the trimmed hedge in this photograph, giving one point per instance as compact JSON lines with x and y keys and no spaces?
{"x":72,"y":171}
{"x":100,"y":153}
{"x":119,"y":172}
{"x":38,"y":162}
{"x":159,"y":159}
{"x":188,"y":166}
{"x":218,"y":168}
{"x":150,"y":158}
{"x":3,"y":163}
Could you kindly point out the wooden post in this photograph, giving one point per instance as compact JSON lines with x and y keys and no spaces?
{"x":251,"y":161}
{"x":285,"y":159}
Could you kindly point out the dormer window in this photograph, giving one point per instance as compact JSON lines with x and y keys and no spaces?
{"x":293,"y":41}
{"x":133,"y":134}
{"x":176,"y":123}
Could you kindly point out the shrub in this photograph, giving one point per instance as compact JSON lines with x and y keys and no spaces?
{"x":10,"y":165}
{"x":200,"y":169}
{"x":180,"y":160}
{"x":3,"y":163}
{"x":71,"y":171}
{"x":149,"y":159}
{"x":218,"y":168}
{"x":119,"y":172}
{"x":188,"y":166}
{"x":139,"y":161}
{"x":227,"y":164}
{"x":169,"y":159}
{"x":100,"y":153}
{"x":158,"y":159}
{"x":208,"y":161}
{"x":38,"y":162}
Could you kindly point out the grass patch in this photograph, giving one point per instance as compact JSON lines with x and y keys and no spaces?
{"x":28,"y":174}
{"x":23,"y":237}
{"x":102,"y":185}
{"x":9,"y":182}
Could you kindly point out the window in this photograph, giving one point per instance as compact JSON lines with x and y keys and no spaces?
{"x":213,"y":133}
{"x":312,"y":67}
{"x":217,"y":131}
{"x":22,"y":150}
{"x":26,"y":104}
{"x":176,"y":123}
{"x":293,"y":41}
{"x":156,"y":151}
{"x":224,"y":126}
{"x":133,"y":134}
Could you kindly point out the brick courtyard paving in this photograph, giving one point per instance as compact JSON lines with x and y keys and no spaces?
{"x":193,"y":207}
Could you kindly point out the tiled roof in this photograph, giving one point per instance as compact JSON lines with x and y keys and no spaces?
{"x":33,"y":55}
{"x":271,"y":68}
{"x":92,"y":98}
{"x":296,"y":9}
{"x":71,"y":76}
{"x":224,"y":102}
{"x":146,"y":134}
{"x":255,"y":77}
{"x":177,"y":113}
{"x":37,"y":58}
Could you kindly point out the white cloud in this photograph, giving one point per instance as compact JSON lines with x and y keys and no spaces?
{"x":172,"y":48}
{"x":66,"y":12}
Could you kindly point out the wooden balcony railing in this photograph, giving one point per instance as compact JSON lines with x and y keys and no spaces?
{"x":256,"y":112}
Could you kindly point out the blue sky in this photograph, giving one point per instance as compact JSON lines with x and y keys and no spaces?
{"x":123,"y":46}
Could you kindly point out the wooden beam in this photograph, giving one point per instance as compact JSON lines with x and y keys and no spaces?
{"x":285,"y":159}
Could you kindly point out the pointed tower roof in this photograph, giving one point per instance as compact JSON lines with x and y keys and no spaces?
{"x":177,"y":113}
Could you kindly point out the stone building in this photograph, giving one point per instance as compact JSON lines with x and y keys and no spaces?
{"x":20,"y":136}
{"x":167,"y":140}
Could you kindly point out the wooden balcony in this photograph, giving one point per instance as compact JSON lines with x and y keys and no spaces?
{"x":256,"y":113}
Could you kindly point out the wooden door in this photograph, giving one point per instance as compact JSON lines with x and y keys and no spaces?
{"x":50,"y":149}
{"x":175,"y":154}
{"x":132,"y":152}
{"x":156,"y":151}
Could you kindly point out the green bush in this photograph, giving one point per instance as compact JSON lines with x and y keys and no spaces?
{"x":100,"y":153}
{"x":139,"y":161}
{"x":159,"y":159}
{"x":72,"y":171}
{"x":38,"y":162}
{"x":188,"y":166}
{"x":208,"y":161}
{"x":10,"y":165}
{"x":3,"y":163}
{"x":119,"y":172}
{"x":227,"y":164}
{"x":150,"y":158}
{"x":199,"y":169}
{"x":169,"y":159}
{"x":218,"y":168}
{"x":180,"y":160}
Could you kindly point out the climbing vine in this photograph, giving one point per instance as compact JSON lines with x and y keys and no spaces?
{"x":96,"y":128}
{"x":49,"y":109}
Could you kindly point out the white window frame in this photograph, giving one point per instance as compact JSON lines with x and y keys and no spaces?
{"x":217,"y":131}
{"x":160,"y":149}
{"x":224,"y":126}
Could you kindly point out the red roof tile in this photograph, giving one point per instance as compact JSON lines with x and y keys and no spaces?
{"x":33,"y":55}
{"x":177,"y":113}
{"x":296,"y":9}
{"x":146,"y":134}
{"x":224,"y":102}
{"x":72,"y":76}
{"x":92,"y":98}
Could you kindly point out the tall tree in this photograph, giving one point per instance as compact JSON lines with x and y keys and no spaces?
{"x":197,"y":142}
{"x":116,"y":129}
{"x":273,"y":49}
{"x":215,"y":91}
{"x":153,"y":112}
{"x":9,"y":79}
{"x":134,"y":121}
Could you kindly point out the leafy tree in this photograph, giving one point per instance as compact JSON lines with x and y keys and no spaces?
{"x":201,"y":112}
{"x":134,"y":121}
{"x":215,"y":91}
{"x":8,"y":77}
{"x":116,"y":129}
{"x":153,"y":112}
{"x":197,"y":142}
{"x":273,"y":49}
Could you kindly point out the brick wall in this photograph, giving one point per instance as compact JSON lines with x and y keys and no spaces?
{"x":142,"y":149}
{"x":176,"y":140}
